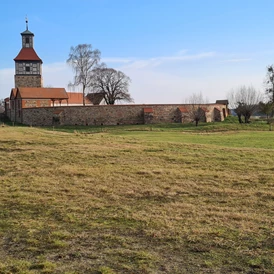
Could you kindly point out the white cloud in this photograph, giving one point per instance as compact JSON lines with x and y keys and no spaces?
{"x":167,"y":79}
{"x":149,"y":86}
{"x":57,"y":75}
{"x":237,"y":60}
{"x":157,"y":61}
{"x":182,"y":51}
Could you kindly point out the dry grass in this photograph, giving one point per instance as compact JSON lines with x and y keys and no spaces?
{"x":122,"y":202}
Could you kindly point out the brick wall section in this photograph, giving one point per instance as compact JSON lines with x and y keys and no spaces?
{"x":30,"y":103}
{"x":28,"y":81}
{"x":107,"y":115}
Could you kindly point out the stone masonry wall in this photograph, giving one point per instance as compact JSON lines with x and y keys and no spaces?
{"x":106,"y":115}
{"x":28,"y":81}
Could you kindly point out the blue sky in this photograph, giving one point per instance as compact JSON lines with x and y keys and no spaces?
{"x":169,"y":49}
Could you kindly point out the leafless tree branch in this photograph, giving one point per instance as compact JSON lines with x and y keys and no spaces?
{"x":112,"y":83}
{"x":195,"y":103}
{"x":83,"y":59}
{"x":245,"y":101}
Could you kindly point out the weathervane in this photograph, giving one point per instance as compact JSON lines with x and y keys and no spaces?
{"x":27,"y":22}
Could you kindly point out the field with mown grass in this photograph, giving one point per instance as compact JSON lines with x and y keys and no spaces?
{"x":137,"y":199}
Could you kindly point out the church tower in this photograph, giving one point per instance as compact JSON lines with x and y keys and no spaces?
{"x":28,"y":65}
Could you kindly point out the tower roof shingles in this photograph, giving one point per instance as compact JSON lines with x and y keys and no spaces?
{"x":42,"y":93}
{"x":27,"y":32}
{"x":27,"y":54}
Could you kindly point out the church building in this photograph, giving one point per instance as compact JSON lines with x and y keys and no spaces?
{"x":29,"y":91}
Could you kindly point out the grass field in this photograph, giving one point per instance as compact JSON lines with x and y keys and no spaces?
{"x":137,"y":199}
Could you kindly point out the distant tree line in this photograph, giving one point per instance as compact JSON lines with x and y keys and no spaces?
{"x":246,"y":101}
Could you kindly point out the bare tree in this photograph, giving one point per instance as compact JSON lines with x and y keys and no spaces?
{"x":245,"y":101}
{"x":2,"y":109}
{"x":235,"y":104}
{"x":83,"y":59}
{"x":195,"y":108}
{"x":269,"y":81}
{"x":266,"y":108}
{"x":113,"y":84}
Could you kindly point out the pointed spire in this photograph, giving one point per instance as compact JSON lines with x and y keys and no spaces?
{"x":27,"y":23}
{"x":27,"y":32}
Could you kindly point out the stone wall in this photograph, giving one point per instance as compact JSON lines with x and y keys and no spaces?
{"x":28,"y":81}
{"x":111,"y":115}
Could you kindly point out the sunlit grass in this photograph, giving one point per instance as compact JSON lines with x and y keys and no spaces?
{"x":136,"y":200}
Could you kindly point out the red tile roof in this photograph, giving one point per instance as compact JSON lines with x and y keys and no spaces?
{"x":204,"y":109}
{"x":13,"y":93}
{"x":27,"y":54}
{"x":76,"y":98}
{"x":42,"y":93}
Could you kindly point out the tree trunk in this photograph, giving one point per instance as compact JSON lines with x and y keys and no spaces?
{"x":247,"y":117}
{"x":84,"y":102}
{"x":272,"y":112}
{"x":240,"y":118}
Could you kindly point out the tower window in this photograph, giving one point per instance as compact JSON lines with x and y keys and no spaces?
{"x":28,"y":69}
{"x":27,"y":40}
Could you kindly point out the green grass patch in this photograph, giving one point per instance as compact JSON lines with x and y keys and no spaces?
{"x":137,"y":199}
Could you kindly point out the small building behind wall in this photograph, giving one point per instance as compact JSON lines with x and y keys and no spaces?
{"x":30,"y":97}
{"x":76,"y":99}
